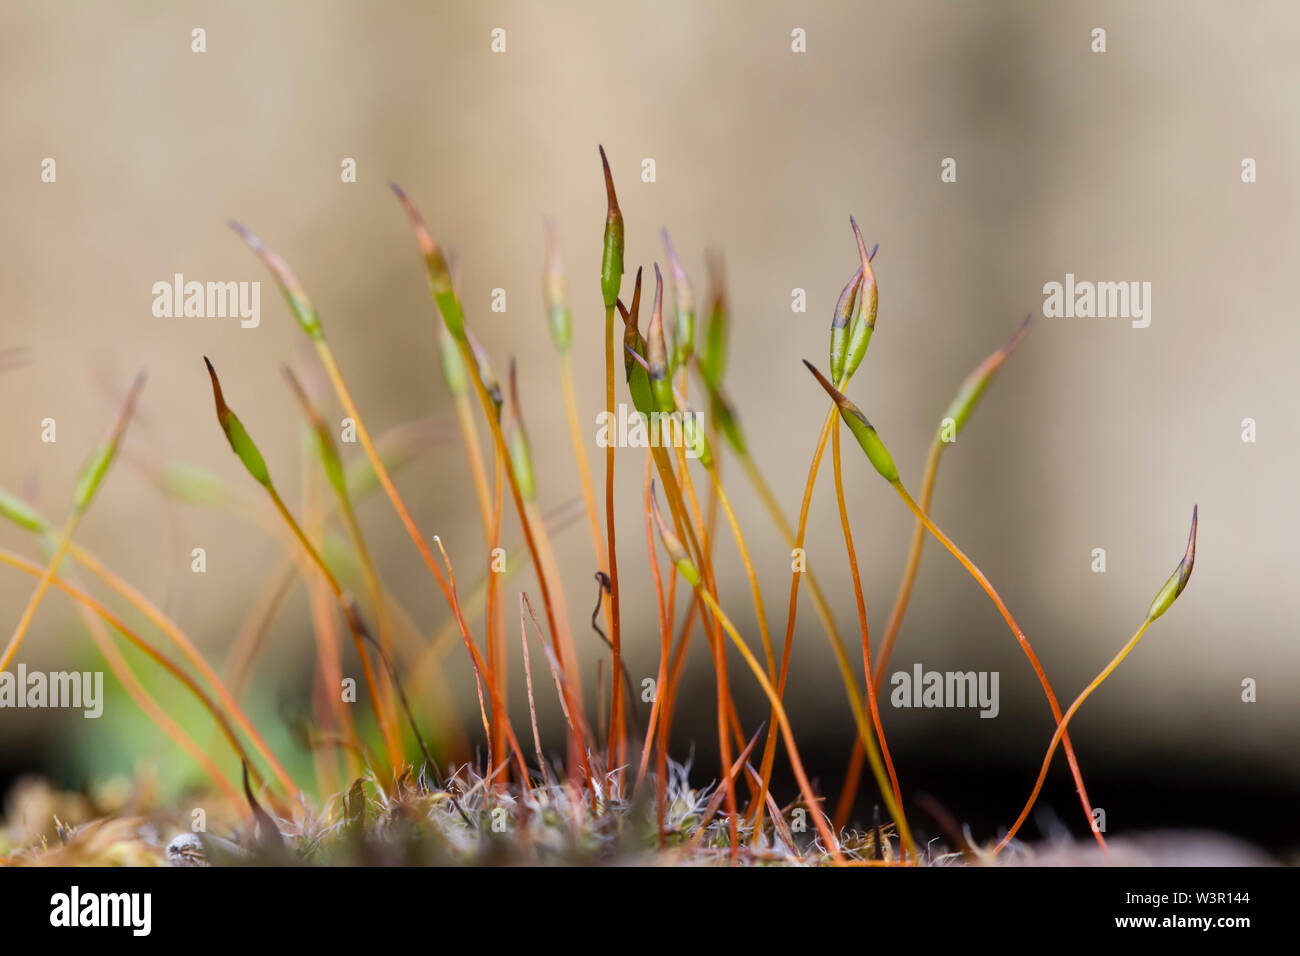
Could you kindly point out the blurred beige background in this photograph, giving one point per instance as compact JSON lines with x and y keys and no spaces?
{"x":1122,"y":166}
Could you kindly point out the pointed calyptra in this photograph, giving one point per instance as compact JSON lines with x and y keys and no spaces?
{"x":972,"y":389}
{"x":557,"y":311}
{"x":656,"y":351}
{"x":240,"y":442}
{"x":713,"y":356}
{"x":684,"y":303}
{"x":1178,"y":580}
{"x":634,"y":346}
{"x":868,"y":302}
{"x":292,"y":289}
{"x":631,"y":325}
{"x":672,"y":544}
{"x":862,"y":429}
{"x":92,"y":474}
{"x":611,"y":260}
{"x":435,"y":265}
{"x":840,"y":325}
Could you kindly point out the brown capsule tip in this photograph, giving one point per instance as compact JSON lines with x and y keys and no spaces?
{"x":609,"y":184}
{"x":292,"y":379}
{"x":278,"y":267}
{"x":635,"y":311}
{"x":515,"y":407}
{"x":509,"y":416}
{"x":834,"y":392}
{"x":1189,"y":558}
{"x":422,"y":234}
{"x":716,"y":268}
{"x":1021,"y":331}
{"x":223,"y":410}
{"x":868,"y":277}
{"x":994,"y":362}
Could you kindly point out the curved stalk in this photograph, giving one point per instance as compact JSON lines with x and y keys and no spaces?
{"x":117,"y":663}
{"x":191,"y":653}
{"x":42,"y":586}
{"x":874,"y":448}
{"x":1023,"y":641}
{"x":120,"y":626}
{"x":1060,"y":732}
{"x":1164,"y":599}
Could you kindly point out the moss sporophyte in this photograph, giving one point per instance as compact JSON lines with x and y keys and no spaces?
{"x":404,"y":771}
